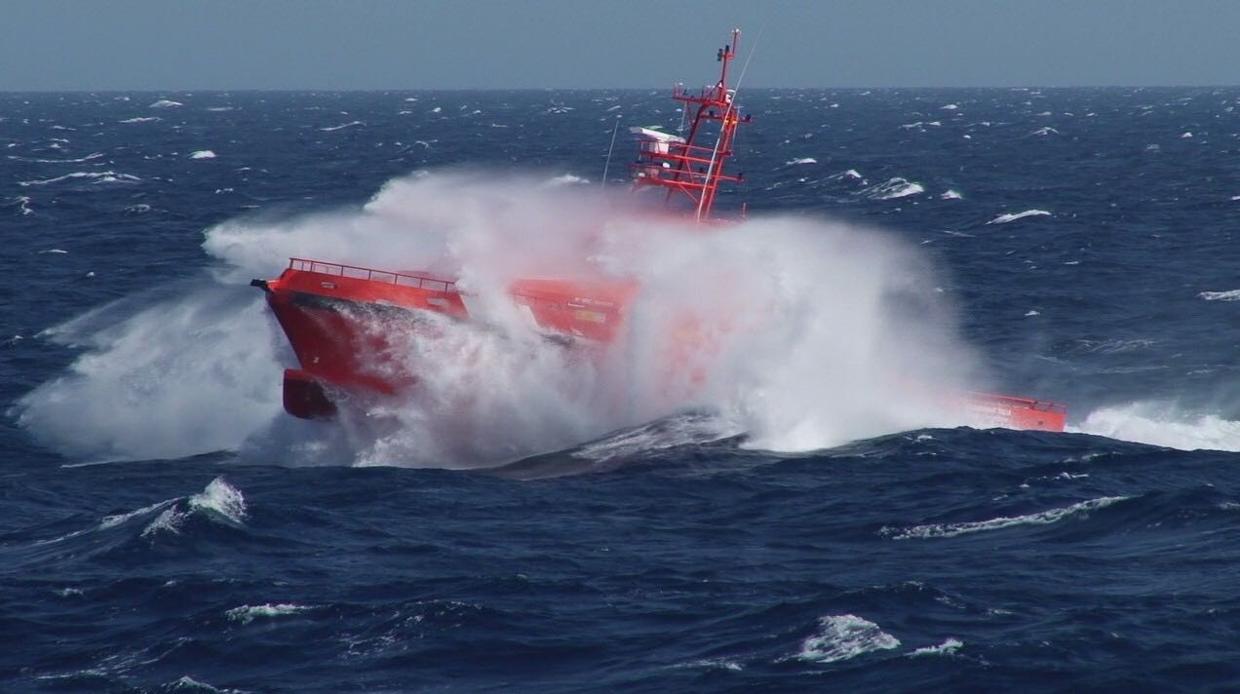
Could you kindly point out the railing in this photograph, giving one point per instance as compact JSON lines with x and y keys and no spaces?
{"x":403,"y":279}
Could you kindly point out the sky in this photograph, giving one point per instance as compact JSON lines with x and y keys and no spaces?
{"x":494,"y":44}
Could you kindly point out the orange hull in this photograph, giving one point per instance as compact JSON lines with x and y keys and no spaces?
{"x":329,"y":313}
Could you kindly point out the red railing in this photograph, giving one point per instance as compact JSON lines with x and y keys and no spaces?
{"x":404,"y":279}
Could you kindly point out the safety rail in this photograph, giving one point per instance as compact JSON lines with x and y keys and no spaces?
{"x":1030,"y":403}
{"x":403,"y":279}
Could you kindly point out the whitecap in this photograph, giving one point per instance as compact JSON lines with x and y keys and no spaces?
{"x":1043,"y":132}
{"x":1163,"y":424}
{"x":566,"y":179}
{"x":166,"y":103}
{"x":202,"y":154}
{"x":948,"y":647}
{"x":342,"y":126}
{"x":843,"y":637}
{"x":893,"y":188}
{"x":220,"y":498}
{"x":801,"y":160}
{"x":851,"y":174}
{"x":950,"y":194}
{"x":248,"y":613}
{"x":97,"y":176}
{"x":949,"y":107}
{"x":1186,"y":136}
{"x":146,"y":119}
{"x":937,"y":530}
{"x":1032,"y":312}
{"x":1232,"y":295}
{"x":54,"y":250}
{"x":86,"y":158}
{"x":437,"y":109}
{"x":1012,"y":217}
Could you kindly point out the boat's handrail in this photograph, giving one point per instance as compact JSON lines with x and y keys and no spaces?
{"x":404,"y":279}
{"x":1030,"y":403}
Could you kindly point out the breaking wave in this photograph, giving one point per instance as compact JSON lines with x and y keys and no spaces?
{"x":844,"y":637}
{"x":893,"y":188}
{"x":1232,"y":295}
{"x":1008,"y":217}
{"x":820,"y":333}
{"x":1163,"y":424}
{"x":938,"y":530}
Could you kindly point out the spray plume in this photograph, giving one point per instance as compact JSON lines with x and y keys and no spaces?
{"x":815,"y":333}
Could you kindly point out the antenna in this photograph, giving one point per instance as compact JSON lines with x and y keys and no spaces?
{"x":610,"y":147}
{"x":714,"y":155}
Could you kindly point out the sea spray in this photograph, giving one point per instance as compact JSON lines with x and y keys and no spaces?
{"x":804,"y":333}
{"x":192,"y":370}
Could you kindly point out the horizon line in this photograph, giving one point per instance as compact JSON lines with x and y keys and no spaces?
{"x":218,"y":90}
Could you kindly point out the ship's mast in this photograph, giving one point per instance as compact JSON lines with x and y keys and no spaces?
{"x":680,"y":164}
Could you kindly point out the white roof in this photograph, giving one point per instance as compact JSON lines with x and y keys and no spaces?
{"x":655,"y":135}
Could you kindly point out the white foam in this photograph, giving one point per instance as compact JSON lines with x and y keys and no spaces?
{"x":96,"y":176}
{"x":820,"y":333}
{"x":843,"y":637}
{"x":342,"y":126}
{"x":1230,"y":295}
{"x":143,"y":119}
{"x":248,"y":613}
{"x":938,"y":530}
{"x":437,"y":109}
{"x":118,"y":519}
{"x":949,"y":107}
{"x":79,"y":160}
{"x":193,"y":373}
{"x":202,"y":154}
{"x":1163,"y":424}
{"x":166,"y":103}
{"x":566,"y":180}
{"x":893,"y":188}
{"x":222,"y":498}
{"x":801,"y":160}
{"x":950,"y":194}
{"x":1186,"y":136}
{"x":1008,"y":217}
{"x":948,"y":647}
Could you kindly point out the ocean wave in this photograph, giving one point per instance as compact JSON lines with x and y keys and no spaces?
{"x":80,"y":160}
{"x":950,"y":194}
{"x":938,"y":530}
{"x":96,"y":176}
{"x":893,"y":188}
{"x":1230,"y":295}
{"x":202,"y":154}
{"x":1043,"y":132}
{"x":800,"y":160}
{"x":141,"y":119}
{"x":843,"y":637}
{"x":342,"y":126}
{"x":1012,"y":217}
{"x":166,"y":103}
{"x":948,"y":647}
{"x":1163,"y":424}
{"x":248,"y":613}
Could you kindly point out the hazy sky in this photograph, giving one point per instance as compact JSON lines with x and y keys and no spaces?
{"x":401,"y":44}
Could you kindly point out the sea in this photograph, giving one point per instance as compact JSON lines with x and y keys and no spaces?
{"x":165,"y":527}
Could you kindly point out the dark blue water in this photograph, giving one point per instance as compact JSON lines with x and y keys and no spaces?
{"x":945,"y":559}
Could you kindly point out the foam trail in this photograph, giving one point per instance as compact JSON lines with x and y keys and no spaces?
{"x":805,"y":334}
{"x":1162,"y":424}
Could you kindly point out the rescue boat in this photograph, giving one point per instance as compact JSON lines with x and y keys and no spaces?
{"x":325,"y":307}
